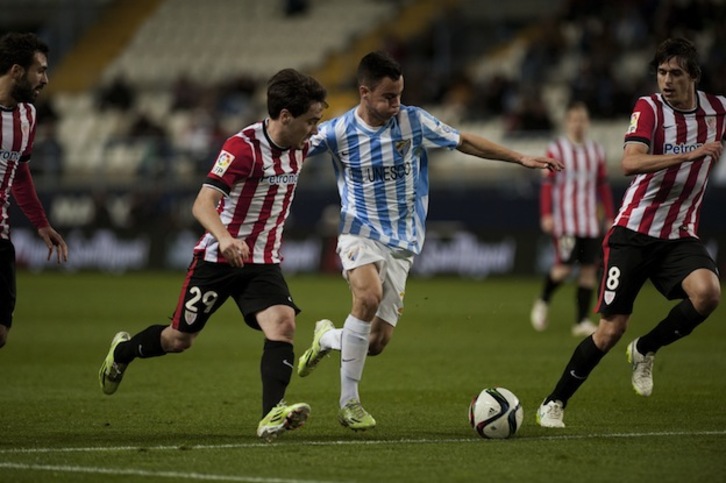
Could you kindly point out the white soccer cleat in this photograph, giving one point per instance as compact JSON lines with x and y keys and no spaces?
{"x":551,"y":415}
{"x":642,"y":378}
{"x":538,"y":316}
{"x":584,"y":328}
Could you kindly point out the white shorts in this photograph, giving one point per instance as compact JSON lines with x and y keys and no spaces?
{"x":393,"y":265}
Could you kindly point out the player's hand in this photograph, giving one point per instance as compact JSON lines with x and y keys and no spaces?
{"x":542,"y":162}
{"x":54,"y":241}
{"x":547,"y":223}
{"x":714,"y":149}
{"x":235,"y":251}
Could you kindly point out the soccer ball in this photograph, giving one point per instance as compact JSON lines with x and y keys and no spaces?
{"x":495,"y":413}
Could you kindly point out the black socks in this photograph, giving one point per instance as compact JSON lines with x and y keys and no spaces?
{"x":145,"y":344}
{"x":276,"y":366}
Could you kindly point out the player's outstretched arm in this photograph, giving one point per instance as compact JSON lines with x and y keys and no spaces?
{"x":480,"y":147}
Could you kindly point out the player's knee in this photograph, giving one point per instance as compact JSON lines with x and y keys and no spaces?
{"x":283,"y":331}
{"x":367,"y":303}
{"x":178,"y":343}
{"x":376,"y":347}
{"x":707,"y":299}
{"x":608,"y":334}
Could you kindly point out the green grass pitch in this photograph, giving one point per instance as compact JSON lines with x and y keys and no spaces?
{"x":192,"y":417}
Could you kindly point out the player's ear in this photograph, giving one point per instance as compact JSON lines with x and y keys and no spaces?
{"x":17,"y":71}
{"x":285,"y":116}
{"x":363,"y":91}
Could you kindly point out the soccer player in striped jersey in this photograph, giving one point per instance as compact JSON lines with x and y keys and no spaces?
{"x":674,"y":139}
{"x":569,"y":202}
{"x":243,"y":205}
{"x":379,"y":154}
{"x":23,"y":74}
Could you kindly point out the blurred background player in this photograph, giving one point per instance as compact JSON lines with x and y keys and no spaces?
{"x":674,"y":139}
{"x":569,"y":213}
{"x":379,"y":151}
{"x":243,"y":205}
{"x":23,"y":75}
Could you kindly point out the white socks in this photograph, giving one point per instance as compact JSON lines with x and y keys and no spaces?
{"x":353,"y":352}
{"x":332,"y":339}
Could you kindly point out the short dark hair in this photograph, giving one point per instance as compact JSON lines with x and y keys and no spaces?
{"x":576,"y":104}
{"x":19,"y":48}
{"x":294,"y":91}
{"x":376,"y":66}
{"x":681,"y":48}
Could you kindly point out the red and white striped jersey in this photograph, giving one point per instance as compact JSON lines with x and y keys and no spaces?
{"x":259,"y":181}
{"x":17,"y":130}
{"x":571,"y":196}
{"x":666,"y":204}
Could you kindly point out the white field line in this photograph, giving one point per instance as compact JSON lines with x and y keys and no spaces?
{"x":373,"y":442}
{"x":177,"y":475}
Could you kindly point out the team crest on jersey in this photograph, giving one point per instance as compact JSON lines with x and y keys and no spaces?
{"x":402,"y":147}
{"x":609,"y":296}
{"x":633,"y":122}
{"x":352,"y":254}
{"x":223,"y":161}
{"x":189,"y":317}
{"x":711,"y":122}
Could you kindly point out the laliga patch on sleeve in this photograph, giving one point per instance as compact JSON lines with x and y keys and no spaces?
{"x":633,"y":122}
{"x":223,"y":161}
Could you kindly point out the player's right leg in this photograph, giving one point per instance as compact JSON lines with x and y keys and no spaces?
{"x":124,"y":349}
{"x":203,"y":291}
{"x":111,"y":371}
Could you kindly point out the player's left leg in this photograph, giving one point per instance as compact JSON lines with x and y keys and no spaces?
{"x":7,"y":288}
{"x":561,"y":268}
{"x":278,"y":324}
{"x":203,"y":292}
{"x":687,"y":272}
{"x":585,"y":287}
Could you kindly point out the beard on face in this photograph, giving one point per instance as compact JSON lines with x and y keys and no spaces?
{"x":23,"y":91}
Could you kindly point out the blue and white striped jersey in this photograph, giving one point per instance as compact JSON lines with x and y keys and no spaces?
{"x":382,"y":173}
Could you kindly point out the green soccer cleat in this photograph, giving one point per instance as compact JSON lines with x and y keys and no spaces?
{"x":112,"y":372}
{"x":282,"y":418}
{"x":311,"y":357}
{"x":353,"y":416}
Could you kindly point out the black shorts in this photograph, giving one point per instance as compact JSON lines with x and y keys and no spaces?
{"x":631,"y":258}
{"x":207,"y":286}
{"x":7,"y":282}
{"x":575,"y":249}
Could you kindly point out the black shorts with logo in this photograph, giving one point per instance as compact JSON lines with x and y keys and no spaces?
{"x":7,"y":282}
{"x":571,"y":249}
{"x":631,"y":258}
{"x":254,"y":287}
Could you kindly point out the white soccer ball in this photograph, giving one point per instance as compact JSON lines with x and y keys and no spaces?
{"x":496,"y":413}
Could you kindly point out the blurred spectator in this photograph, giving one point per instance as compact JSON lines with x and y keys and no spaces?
{"x":186,"y":94}
{"x":202,"y":139}
{"x":296,"y":7}
{"x":117,"y":95}
{"x":530,"y":117}
{"x":156,"y":160}
{"x":47,"y":158}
